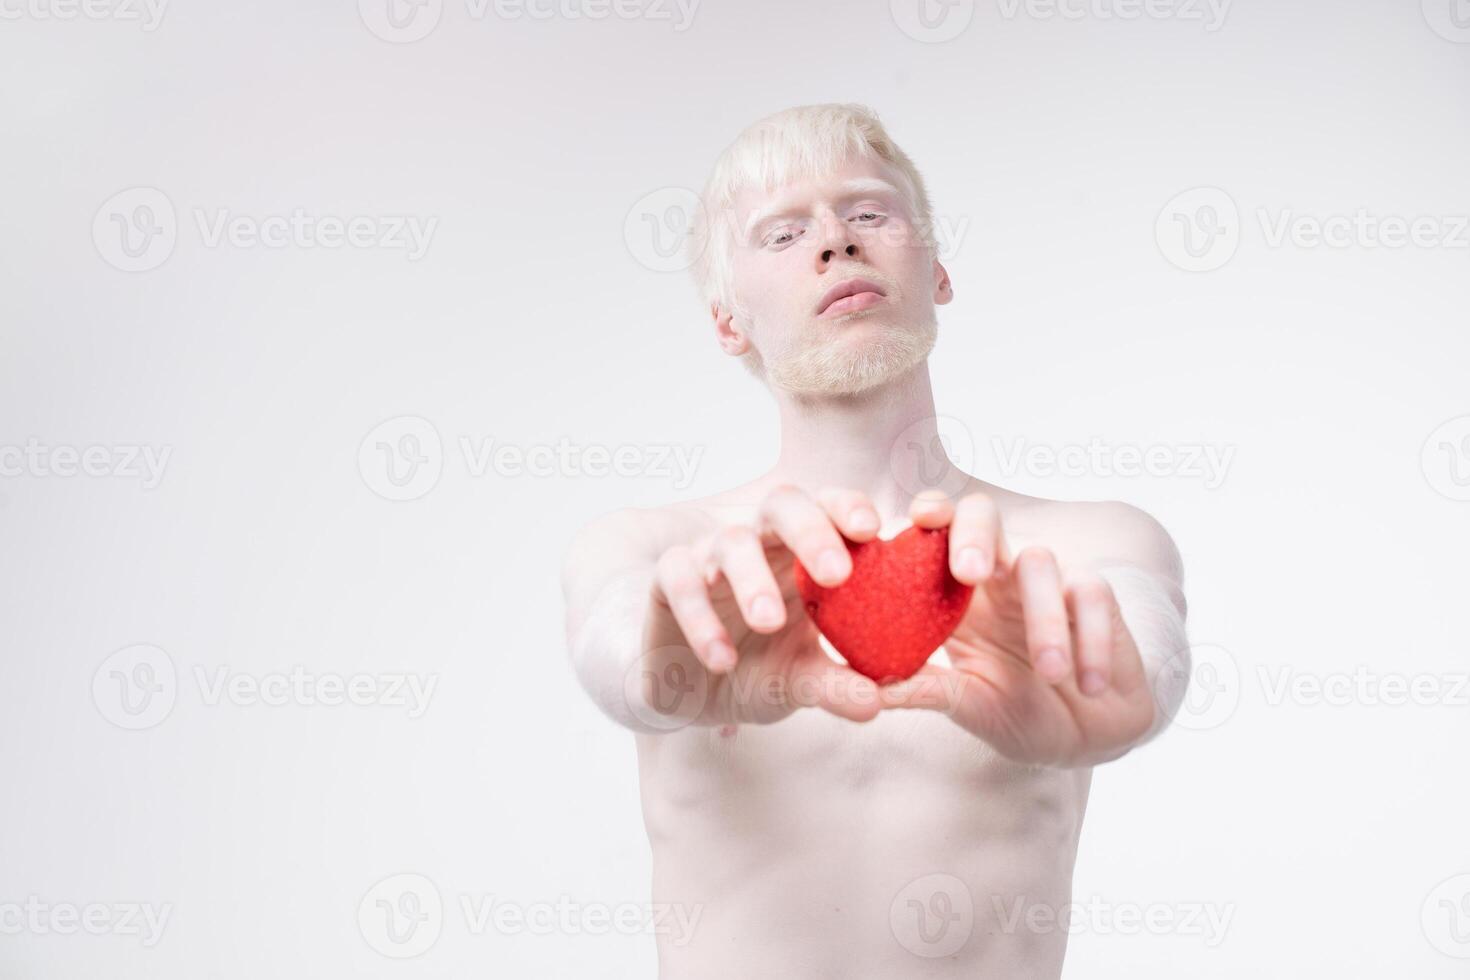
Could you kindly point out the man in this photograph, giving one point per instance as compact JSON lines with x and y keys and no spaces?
{"x":814,"y":828}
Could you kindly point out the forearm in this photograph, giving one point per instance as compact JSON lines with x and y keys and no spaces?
{"x":606,"y":645}
{"x":1153,"y":610}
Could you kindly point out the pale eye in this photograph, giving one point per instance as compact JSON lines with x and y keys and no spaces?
{"x":781,"y":237}
{"x":866,"y":217}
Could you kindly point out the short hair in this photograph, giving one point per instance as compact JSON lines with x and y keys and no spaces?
{"x":804,"y":142}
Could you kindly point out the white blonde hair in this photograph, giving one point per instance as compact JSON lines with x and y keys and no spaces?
{"x":804,"y":142}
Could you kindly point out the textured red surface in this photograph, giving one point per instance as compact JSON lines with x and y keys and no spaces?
{"x":899,"y":605}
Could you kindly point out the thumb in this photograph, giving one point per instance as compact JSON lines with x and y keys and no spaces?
{"x":933,"y":688}
{"x":817,"y":681}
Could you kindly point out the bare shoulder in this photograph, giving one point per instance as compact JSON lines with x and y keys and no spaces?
{"x":1094,"y":533}
{"x":638,"y":535}
{"x":625,"y":536}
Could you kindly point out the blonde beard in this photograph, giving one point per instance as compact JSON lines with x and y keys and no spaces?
{"x":831,"y":369}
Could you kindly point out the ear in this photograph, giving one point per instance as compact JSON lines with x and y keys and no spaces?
{"x":733,"y":341}
{"x":943,"y":288}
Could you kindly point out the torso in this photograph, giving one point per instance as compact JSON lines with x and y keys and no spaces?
{"x":820,"y":848}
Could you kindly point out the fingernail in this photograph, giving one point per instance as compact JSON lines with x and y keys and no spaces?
{"x":721,"y":656}
{"x":863,"y":520}
{"x":765,"y":610}
{"x":1051,"y":664}
{"x":1092,"y":683}
{"x":832,"y":565}
{"x":972,"y":562}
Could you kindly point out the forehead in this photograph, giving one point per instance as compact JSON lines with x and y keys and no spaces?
{"x":856,"y":176}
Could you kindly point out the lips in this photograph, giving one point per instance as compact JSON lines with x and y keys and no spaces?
{"x":863,"y":292}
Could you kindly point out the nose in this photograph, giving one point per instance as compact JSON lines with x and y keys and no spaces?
{"x":837,"y":238}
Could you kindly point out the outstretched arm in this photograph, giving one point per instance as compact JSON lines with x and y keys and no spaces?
{"x":605,"y":578}
{"x":1146,"y":574}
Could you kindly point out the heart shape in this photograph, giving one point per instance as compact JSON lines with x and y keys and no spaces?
{"x":897,"y":607}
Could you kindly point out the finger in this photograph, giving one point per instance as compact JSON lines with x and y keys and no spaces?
{"x":817,"y":681}
{"x":739,"y":555}
{"x":679,"y":585}
{"x":931,"y":508}
{"x":852,"y":512}
{"x":798,"y":522}
{"x":974,"y":538}
{"x":933,"y":688}
{"x":1090,"y":602}
{"x":1045,"y":613}
{"x":969,"y":700}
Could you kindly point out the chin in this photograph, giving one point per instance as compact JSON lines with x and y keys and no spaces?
{"x":856,"y":360}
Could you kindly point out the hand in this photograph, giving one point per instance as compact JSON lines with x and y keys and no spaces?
{"x":1044,"y":668}
{"x":730,"y":600}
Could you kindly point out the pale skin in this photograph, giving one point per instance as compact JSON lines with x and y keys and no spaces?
{"x":808,"y":822}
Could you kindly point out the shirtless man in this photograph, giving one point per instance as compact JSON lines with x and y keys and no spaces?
{"x":815,"y":827}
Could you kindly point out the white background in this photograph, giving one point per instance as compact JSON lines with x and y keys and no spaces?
{"x":1333,"y":546}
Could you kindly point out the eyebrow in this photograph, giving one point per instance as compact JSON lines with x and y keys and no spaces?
{"x":857,"y":187}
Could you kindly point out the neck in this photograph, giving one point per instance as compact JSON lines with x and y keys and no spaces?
{"x":853,"y":442}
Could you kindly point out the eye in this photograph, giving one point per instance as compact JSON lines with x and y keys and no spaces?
{"x":784,"y":235}
{"x":867,"y":217}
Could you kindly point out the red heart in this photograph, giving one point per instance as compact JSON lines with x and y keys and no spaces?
{"x":897,"y":607}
